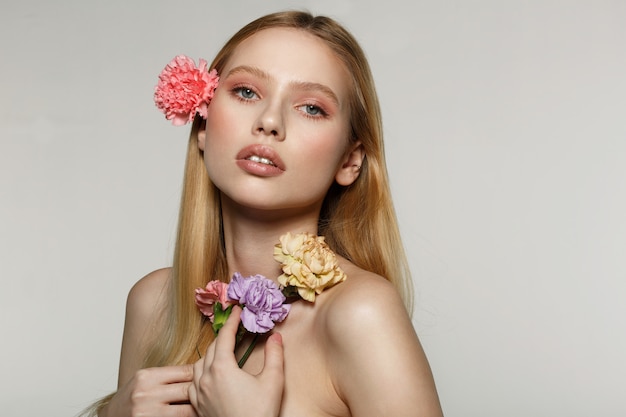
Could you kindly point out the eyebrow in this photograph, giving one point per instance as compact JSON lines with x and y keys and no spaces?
{"x":301,"y":85}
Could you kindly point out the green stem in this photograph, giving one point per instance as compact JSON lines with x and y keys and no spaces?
{"x":245,"y":356}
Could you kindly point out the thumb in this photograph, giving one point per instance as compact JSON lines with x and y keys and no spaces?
{"x":274,"y":358}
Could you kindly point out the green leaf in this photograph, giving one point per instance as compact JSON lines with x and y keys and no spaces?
{"x":220,"y":316}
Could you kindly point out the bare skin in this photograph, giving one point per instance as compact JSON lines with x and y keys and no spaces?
{"x":217,"y":375}
{"x":353,"y":352}
{"x":147,"y":392}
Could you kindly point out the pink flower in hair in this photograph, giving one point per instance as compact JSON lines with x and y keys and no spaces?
{"x":184,"y":89}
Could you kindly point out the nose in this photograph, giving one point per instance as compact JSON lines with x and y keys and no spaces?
{"x":270,"y":122}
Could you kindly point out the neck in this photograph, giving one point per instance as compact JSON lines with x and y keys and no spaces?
{"x":250,"y":236}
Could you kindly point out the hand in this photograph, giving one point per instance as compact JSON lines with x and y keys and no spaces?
{"x":221,"y":389}
{"x":155,"y":392}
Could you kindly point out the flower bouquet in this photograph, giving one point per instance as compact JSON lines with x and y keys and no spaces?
{"x":309,"y":267}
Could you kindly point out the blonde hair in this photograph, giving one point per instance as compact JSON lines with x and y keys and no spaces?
{"x":371,"y":239}
{"x":358,"y":221}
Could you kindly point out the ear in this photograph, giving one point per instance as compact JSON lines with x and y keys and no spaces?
{"x":350,"y":168}
{"x":202,"y":135}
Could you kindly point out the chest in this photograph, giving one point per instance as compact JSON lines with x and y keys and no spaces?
{"x":309,"y":388}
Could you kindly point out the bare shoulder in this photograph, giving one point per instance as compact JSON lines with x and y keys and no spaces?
{"x":148,"y":293}
{"x":377,"y":363}
{"x":363,"y":302}
{"x":144,"y":306}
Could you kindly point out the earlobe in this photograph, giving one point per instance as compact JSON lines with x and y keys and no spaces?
{"x":350,"y":168}
{"x":202,"y":136}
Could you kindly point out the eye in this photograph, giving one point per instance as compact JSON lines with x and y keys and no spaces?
{"x":313,"y":110}
{"x":245,"y":93}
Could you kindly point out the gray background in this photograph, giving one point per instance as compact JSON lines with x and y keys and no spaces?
{"x":505,"y":129}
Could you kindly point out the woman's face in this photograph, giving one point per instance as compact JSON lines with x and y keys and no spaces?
{"x":278,"y":126}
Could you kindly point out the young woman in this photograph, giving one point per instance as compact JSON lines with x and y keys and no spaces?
{"x":290,"y":142}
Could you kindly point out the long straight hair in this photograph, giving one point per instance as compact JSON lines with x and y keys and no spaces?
{"x":358,"y":221}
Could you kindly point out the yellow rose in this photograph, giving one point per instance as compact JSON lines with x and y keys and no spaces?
{"x":308,"y":264}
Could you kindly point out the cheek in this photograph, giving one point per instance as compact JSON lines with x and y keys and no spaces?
{"x":219,"y":131}
{"x":331,"y":143}
{"x":222,"y":124}
{"x":217,"y":116}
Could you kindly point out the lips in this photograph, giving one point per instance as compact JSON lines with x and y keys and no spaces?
{"x":260,"y":160}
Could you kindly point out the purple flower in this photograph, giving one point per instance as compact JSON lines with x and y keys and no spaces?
{"x":262,"y":302}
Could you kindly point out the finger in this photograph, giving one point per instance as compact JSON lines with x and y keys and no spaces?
{"x":274,"y":360}
{"x":210,"y":353}
{"x":192,"y":392}
{"x":169,"y":374}
{"x":180,"y":410}
{"x":225,"y":342}
{"x":198,"y":369}
{"x":175,"y":393}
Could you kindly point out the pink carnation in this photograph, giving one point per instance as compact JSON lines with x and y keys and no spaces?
{"x":184,"y":90}
{"x":215,"y":291}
